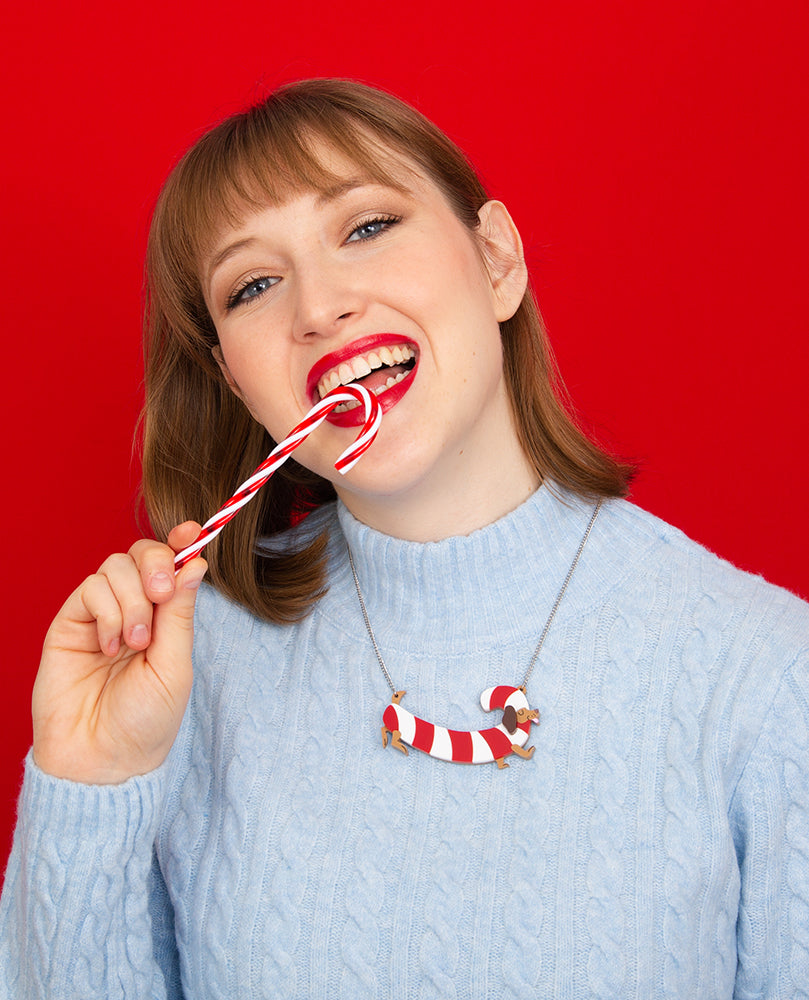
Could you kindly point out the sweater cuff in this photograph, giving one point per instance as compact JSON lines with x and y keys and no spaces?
{"x":73,"y":816}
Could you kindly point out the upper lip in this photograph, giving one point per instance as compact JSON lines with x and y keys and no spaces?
{"x":351,"y":352}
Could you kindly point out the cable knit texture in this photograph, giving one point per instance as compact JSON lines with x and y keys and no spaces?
{"x":656,"y":845}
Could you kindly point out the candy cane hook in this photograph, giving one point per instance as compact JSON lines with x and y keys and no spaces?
{"x":245,"y":493}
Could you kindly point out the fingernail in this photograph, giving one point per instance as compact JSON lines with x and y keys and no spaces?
{"x":193,"y":584}
{"x":160,"y":582}
{"x":140,"y":634}
{"x":113,"y":646}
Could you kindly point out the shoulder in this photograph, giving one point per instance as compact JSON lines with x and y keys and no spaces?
{"x":231,"y":640}
{"x":228,"y":636}
{"x":220,"y":622}
{"x":649,"y":551}
{"x":729,"y":642}
{"x":222,"y":627}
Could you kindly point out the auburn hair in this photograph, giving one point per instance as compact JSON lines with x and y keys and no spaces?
{"x":199,"y":440}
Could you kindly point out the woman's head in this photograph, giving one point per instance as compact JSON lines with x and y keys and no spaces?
{"x":271,"y":151}
{"x":200,"y":441}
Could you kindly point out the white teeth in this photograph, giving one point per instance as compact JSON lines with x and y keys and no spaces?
{"x":351,"y":405}
{"x":393,"y":380}
{"x":359,"y":367}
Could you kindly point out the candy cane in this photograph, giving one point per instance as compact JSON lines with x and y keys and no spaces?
{"x":245,"y":493}
{"x":482,"y":746}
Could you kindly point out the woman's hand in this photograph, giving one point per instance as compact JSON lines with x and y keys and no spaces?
{"x":115,"y":674}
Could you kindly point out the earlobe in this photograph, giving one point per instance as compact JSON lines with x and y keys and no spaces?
{"x":505,"y":261}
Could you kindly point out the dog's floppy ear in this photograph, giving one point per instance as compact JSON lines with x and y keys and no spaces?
{"x":510,"y":718}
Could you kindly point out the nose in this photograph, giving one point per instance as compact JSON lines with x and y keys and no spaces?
{"x":326,"y":297}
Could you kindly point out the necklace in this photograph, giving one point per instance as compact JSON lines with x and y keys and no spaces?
{"x":480,"y":746}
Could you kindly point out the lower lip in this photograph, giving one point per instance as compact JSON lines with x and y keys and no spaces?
{"x":355,"y":417}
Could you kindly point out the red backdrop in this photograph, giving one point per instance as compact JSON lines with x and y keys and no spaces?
{"x":653,"y":155}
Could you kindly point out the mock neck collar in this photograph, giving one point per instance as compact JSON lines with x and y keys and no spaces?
{"x":467,"y":592}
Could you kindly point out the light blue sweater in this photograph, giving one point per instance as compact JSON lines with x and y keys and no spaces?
{"x":657,"y":844}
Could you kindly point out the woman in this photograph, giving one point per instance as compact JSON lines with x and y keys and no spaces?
{"x":253,"y":834}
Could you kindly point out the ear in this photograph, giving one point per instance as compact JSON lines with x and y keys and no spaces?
{"x":505,"y":261}
{"x":510,"y":719}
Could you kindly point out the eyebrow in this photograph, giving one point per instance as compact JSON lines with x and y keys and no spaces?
{"x":338,"y":190}
{"x":227,"y":252}
{"x":351,"y":183}
{"x":325,"y":196}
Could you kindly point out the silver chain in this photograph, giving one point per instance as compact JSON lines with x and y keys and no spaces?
{"x":545,"y":630}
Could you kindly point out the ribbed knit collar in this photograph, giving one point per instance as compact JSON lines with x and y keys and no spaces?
{"x":496,"y":585}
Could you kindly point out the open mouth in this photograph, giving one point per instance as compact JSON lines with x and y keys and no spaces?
{"x":379,"y":370}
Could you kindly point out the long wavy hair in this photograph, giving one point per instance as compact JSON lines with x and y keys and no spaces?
{"x":199,"y":440}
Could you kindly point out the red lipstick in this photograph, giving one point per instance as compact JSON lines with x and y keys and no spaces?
{"x":357,"y":348}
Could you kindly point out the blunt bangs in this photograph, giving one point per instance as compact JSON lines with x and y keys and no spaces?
{"x":258,"y":162}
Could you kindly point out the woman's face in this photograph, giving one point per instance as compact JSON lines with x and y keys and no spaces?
{"x":387,"y":286}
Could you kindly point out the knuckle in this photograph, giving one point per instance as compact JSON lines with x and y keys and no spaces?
{"x":109,"y":620}
{"x":116,"y":563}
{"x":138,"y":609}
{"x":146,"y":546}
{"x":95,"y":589}
{"x":151,"y":557}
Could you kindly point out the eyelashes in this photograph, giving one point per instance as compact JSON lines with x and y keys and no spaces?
{"x":256,"y":285}
{"x":250,"y":289}
{"x":371,"y":228}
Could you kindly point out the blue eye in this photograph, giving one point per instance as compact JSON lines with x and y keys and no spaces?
{"x":372,"y":228}
{"x":252,"y":289}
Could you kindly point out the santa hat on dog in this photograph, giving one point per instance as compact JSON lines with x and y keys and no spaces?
{"x":501,"y":696}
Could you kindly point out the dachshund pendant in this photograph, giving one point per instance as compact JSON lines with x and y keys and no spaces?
{"x":482,"y":746}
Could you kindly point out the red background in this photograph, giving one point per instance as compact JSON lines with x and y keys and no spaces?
{"x":653,"y":155}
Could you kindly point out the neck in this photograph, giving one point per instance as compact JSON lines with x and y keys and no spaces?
{"x":466,"y":497}
{"x":466,"y":592}
{"x":436,"y":511}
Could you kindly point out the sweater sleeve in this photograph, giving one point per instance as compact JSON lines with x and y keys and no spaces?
{"x":84,"y":912}
{"x":770,"y":820}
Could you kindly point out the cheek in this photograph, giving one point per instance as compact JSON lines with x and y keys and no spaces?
{"x":260,"y":377}
{"x":252,"y":350}
{"x":446,"y":292}
{"x":462,"y":282}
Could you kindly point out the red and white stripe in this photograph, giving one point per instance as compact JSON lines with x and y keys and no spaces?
{"x":245,"y":493}
{"x":482,"y":746}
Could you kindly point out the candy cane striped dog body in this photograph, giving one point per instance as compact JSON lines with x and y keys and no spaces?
{"x":482,"y":746}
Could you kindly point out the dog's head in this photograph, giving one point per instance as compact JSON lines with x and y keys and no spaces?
{"x":512,"y":717}
{"x":514,"y":703}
